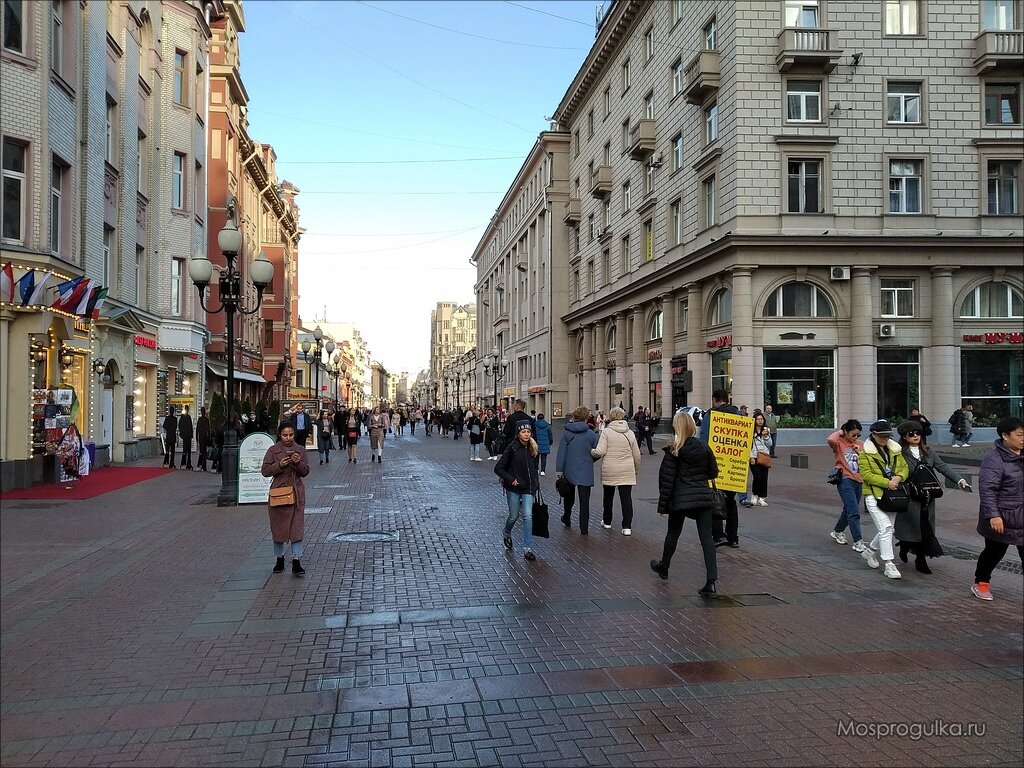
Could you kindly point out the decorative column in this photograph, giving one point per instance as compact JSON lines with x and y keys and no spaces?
{"x":859,"y":364}
{"x":697,"y":359}
{"x":940,"y":393}
{"x":639,"y":366}
{"x":600,"y":368}
{"x":22,"y":411}
{"x":668,"y":349}
{"x":588,"y":366}
{"x":621,"y":367}
{"x":747,"y":385}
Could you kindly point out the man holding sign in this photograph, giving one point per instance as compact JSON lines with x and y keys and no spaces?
{"x":729,"y":434}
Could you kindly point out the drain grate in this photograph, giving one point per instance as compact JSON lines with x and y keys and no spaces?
{"x":401,"y":477}
{"x":317,"y":510}
{"x":354,"y":497}
{"x":342,"y":485}
{"x":1013,"y":565}
{"x":359,"y":537}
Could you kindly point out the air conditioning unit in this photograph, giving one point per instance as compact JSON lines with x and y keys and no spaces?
{"x":839,"y":273}
{"x":886,"y":330}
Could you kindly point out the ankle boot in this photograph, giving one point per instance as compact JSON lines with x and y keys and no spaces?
{"x":904,"y":548}
{"x":297,"y":569}
{"x":279,"y":565}
{"x":922,"y":564}
{"x":710,"y":589}
{"x":658,"y":569}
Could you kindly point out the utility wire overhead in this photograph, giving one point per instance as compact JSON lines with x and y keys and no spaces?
{"x":587,"y":24}
{"x":399,"y":162}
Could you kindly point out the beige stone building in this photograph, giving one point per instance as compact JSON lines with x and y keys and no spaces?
{"x":809,"y":203}
{"x":452,"y":333}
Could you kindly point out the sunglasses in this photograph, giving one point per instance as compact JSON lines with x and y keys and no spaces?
{"x":912,"y":434}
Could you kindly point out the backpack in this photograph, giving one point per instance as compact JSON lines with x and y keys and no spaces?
{"x":924,"y":482}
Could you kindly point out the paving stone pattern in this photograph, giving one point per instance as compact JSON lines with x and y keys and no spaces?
{"x":145,"y":628}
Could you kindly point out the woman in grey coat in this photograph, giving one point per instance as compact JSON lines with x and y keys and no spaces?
{"x":915,"y":528}
{"x":1001,"y":514}
{"x":576,"y":464}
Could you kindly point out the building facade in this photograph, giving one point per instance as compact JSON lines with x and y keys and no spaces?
{"x":452,"y":333}
{"x":812,"y":204}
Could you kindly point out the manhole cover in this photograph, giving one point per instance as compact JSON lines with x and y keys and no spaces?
{"x":354,"y":497}
{"x":356,"y":537}
{"x":317,"y":510}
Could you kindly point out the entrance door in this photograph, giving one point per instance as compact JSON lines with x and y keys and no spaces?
{"x":107,"y":417}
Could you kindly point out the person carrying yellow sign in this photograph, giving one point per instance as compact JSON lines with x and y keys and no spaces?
{"x":729,"y":434}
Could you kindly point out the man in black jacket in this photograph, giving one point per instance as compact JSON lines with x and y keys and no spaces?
{"x":186,"y":431}
{"x":518,"y":414}
{"x":203,"y":437}
{"x":730,"y":536}
{"x":170,"y":427}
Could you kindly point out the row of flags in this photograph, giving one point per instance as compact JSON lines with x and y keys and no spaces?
{"x":80,"y":296}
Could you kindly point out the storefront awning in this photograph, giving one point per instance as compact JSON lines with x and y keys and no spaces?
{"x":217,"y":370}
{"x":222,"y":372}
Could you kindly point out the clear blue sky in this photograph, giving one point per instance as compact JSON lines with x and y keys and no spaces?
{"x":356,"y":97}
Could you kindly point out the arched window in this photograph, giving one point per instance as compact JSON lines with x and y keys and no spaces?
{"x":993,"y":300}
{"x":579,"y":347}
{"x":611,"y":339}
{"x":798,"y":300}
{"x":721,"y":307}
{"x":654,"y":330}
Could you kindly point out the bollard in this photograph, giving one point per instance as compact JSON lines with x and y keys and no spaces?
{"x":798,"y":460}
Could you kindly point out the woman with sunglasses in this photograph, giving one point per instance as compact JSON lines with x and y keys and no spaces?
{"x":846,"y":446}
{"x":915,"y":528}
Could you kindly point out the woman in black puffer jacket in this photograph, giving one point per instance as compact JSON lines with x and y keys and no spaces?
{"x":683,"y":491}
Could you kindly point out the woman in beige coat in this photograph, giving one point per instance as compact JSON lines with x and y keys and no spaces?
{"x":618,"y":448}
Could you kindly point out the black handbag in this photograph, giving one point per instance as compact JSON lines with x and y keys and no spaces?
{"x":563,"y":486}
{"x":895,"y":499}
{"x":540,"y":518}
{"x":718,"y":503}
{"x":924,"y":482}
{"x":834,"y":476}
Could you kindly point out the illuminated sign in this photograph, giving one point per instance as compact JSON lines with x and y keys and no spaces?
{"x":143,"y":341}
{"x":721,"y":341}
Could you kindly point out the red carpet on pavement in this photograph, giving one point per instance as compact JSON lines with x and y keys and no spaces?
{"x":98,"y":482}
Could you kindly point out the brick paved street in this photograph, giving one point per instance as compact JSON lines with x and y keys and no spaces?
{"x":144,"y":628}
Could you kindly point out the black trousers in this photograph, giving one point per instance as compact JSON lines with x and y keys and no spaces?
{"x":203,"y":448}
{"x":990,"y":557}
{"x":731,"y":530}
{"x":642,"y":437}
{"x":625,"y":499}
{"x":707,"y":540}
{"x":759,"y":486}
{"x":567,"y":502}
{"x":186,"y":454}
{"x":170,"y":441}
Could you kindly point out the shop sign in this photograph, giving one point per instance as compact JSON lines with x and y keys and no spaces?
{"x":537,"y":390}
{"x":653,"y":355}
{"x":995,"y":338}
{"x":509,"y":391}
{"x":182,"y":400}
{"x":145,"y":341}
{"x":194,"y":355}
{"x":253,"y":487}
{"x":556,"y":410}
{"x":81,"y":328}
{"x":246,"y":361}
{"x":721,"y":341}
{"x":730,"y":437}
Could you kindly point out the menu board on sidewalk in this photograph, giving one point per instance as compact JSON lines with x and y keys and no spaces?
{"x":730,"y":437}
{"x":253,"y":487}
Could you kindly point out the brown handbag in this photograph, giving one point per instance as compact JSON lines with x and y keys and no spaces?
{"x":763,"y":460}
{"x":283,"y":496}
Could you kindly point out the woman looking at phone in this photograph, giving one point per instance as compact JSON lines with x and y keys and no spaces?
{"x":287,"y":463}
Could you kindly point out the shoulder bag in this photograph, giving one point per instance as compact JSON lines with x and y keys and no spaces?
{"x":283,"y":496}
{"x":540,"y":517}
{"x":895,"y":499}
{"x":763,"y":459}
{"x":924,"y":482}
{"x":718,"y":503}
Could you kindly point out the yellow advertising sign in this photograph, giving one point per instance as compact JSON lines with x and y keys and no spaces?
{"x":730,"y":437}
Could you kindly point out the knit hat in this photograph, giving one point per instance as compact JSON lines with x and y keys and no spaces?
{"x":881,"y":427}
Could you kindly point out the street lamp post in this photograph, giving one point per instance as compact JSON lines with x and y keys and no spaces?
{"x":261,"y":271}
{"x":496,"y":367}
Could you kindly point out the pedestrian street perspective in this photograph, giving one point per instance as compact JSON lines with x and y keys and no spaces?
{"x":144,"y":627}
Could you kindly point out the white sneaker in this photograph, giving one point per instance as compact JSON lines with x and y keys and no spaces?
{"x":858,"y":546}
{"x":542,"y":473}
{"x":955,"y":445}
{"x":605,"y":526}
{"x":762,"y":502}
{"x":839,"y":537}
{"x":627,"y":531}
{"x":965,"y":445}
{"x":869,"y":555}
{"x":754,"y":501}
{"x":891,"y":572}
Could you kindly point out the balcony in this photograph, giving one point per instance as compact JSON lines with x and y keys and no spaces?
{"x":999,"y":50}
{"x":642,"y":138}
{"x":807,"y":50}
{"x":573,"y":211}
{"x":703,"y":76}
{"x":601,"y":181}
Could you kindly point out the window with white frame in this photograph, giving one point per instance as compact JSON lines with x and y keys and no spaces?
{"x":649,"y":106}
{"x":15,"y":193}
{"x":649,"y":44}
{"x":649,"y":171}
{"x":677,"y":11}
{"x":626,"y":76}
{"x":803,"y":186}
{"x":999,"y":15}
{"x":711,"y":35}
{"x":1002,"y":103}
{"x":902,"y":17}
{"x":711,"y":123}
{"x":897,"y":298}
{"x":57,"y":171}
{"x":180,"y":77}
{"x":677,"y":77}
{"x":590,"y":124}
{"x":611,"y":339}
{"x":803,"y":101}
{"x":576,"y":284}
{"x":801,"y":13}
{"x":140,"y":285}
{"x":903,"y":103}
{"x":177,"y":297}
{"x":626,"y":197}
{"x":798,"y":299}
{"x":905,"y":186}
{"x":13,"y":22}
{"x":607,"y":100}
{"x":625,"y":258}
{"x":655,"y":328}
{"x":606,"y":153}
{"x":1003,"y":194}
{"x":606,"y":213}
{"x":141,"y":163}
{"x":625,"y":135}
{"x":675,"y":221}
{"x":178,"y":181}
{"x":993,"y":300}
{"x":56,"y":35}
{"x":709,"y":202}
{"x":677,"y":152}
{"x":721,"y":307}
{"x":590,"y":228}
{"x":606,"y":266}
{"x":109,"y":247}
{"x":109,"y":152}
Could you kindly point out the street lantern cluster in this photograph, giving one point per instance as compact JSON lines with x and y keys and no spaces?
{"x":495,"y":366}
{"x":312,"y":353}
{"x":453,"y":378}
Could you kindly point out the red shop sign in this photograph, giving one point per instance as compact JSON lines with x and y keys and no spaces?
{"x":995,"y":338}
{"x":653,"y":355}
{"x":142,"y":341}
{"x":536,"y":390}
{"x":721,"y":341}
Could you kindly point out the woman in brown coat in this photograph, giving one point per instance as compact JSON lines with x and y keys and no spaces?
{"x":287,"y":463}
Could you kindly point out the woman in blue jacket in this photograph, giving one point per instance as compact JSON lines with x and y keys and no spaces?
{"x":576,"y":464}
{"x":544,"y":440}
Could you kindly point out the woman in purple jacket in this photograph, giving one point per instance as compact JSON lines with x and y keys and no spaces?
{"x":1001,"y":514}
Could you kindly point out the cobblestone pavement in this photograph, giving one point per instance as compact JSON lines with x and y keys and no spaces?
{"x":144,"y":628}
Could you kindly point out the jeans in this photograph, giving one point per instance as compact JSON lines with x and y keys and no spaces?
{"x":567,"y":502}
{"x":731,"y":526}
{"x":849,"y":493}
{"x":990,"y":558}
{"x":775,"y":442}
{"x":515,"y":501}
{"x":625,"y":499}
{"x":544,"y":462}
{"x":474,"y":450}
{"x":297,"y":549}
{"x":707,"y":541}
{"x":963,"y":437}
{"x":882,"y":543}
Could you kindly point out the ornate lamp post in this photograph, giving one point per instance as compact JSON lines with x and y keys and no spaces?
{"x":493,"y":366}
{"x":261,"y":271}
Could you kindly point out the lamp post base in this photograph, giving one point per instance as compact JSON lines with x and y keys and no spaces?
{"x":228,"y":496}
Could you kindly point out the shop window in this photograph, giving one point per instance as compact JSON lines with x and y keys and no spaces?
{"x":992,"y":380}
{"x":997,"y":300}
{"x":656,"y":326}
{"x":654,"y":387}
{"x":798,"y":300}
{"x":721,"y":307}
{"x":897,"y":299}
{"x":898,"y":383}
{"x":721,"y":371}
{"x":800,"y":383}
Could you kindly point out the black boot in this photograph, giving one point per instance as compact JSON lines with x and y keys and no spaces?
{"x":279,"y":565}
{"x":922,"y":564}
{"x":904,"y":548}
{"x":709,"y":590}
{"x":297,"y":569}
{"x":657,"y":568}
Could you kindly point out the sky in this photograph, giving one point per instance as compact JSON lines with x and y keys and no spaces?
{"x":403,"y":125}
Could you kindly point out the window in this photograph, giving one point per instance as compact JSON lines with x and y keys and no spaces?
{"x":675,"y":220}
{"x":611,"y":339}
{"x":180,"y":75}
{"x":626,"y":77}
{"x":141,"y":163}
{"x":140,"y":267}
{"x":648,"y":233}
{"x":898,"y":382}
{"x":591,"y":285}
{"x":606,"y":266}
{"x":998,"y":14}
{"x":56,"y":204}
{"x":268,"y":332}
{"x":798,"y":299}
{"x":14,"y":26}
{"x":655,"y":329}
{"x":677,"y":11}
{"x":677,"y":77}
{"x":709,"y":202}
{"x":14,"y":191}
{"x":56,"y":35}
{"x":590,"y":124}
{"x":903,"y":103}
{"x":649,"y":177}
{"x":576,"y":143}
{"x":905,"y":186}
{"x":721,"y":307}
{"x":677,"y":152}
{"x":901,"y":17}
{"x":606,"y":213}
{"x":803,"y":101}
{"x":576,"y":283}
{"x":649,"y":106}
{"x":711,"y":123}
{"x":626,"y":199}
{"x":803,"y":193}
{"x":625,"y":257}
{"x":993,"y":300}
{"x":111,"y":122}
{"x":178,"y":182}
{"x":607,"y":100}
{"x":801,"y":13}
{"x":606,"y":154}
{"x":1003,"y":187}
{"x":109,"y":248}
{"x":625,"y":136}
{"x":177,"y":270}
{"x":804,"y":379}
{"x":711,"y":35}
{"x":649,"y":44}
{"x":1002,"y":104}
{"x":590,"y":227}
{"x":897,"y":298}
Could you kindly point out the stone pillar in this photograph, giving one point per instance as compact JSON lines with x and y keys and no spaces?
{"x":6,"y":321}
{"x":621,"y":366}
{"x":697,"y":359}
{"x":747,"y":376}
{"x":940,"y":393}
{"x":859,"y":400}
{"x":600,"y":369}
{"x":639,"y":362}
{"x":668,"y":348}
{"x":588,"y":367}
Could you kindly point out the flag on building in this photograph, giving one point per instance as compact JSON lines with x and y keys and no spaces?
{"x":71,"y":294}
{"x":96,"y":303}
{"x":32,"y":291}
{"x":7,"y":283}
{"x":81,"y":308}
